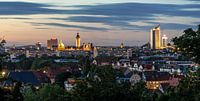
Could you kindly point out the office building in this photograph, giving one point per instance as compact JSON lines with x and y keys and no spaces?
{"x":155,"y":41}
{"x":52,"y":44}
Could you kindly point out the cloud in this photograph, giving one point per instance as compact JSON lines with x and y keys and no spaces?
{"x":137,"y":9}
{"x":16,"y":18}
{"x":117,"y":15}
{"x":68,"y":26}
{"x":193,"y":0}
{"x":24,"y":8}
{"x":120,"y":14}
{"x":172,"y":26}
{"x":41,"y":28}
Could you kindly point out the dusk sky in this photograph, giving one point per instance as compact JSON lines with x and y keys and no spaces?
{"x":103,"y":22}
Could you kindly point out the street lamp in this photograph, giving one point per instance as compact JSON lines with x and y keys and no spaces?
{"x":3,"y":73}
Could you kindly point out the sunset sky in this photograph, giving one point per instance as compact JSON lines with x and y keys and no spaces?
{"x":103,"y":22}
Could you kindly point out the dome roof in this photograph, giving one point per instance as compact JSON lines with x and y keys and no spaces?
{"x":3,"y":41}
{"x":61,"y":44}
{"x":77,"y":36}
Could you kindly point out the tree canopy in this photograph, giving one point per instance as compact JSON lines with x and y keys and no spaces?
{"x":189,"y":43}
{"x":46,"y":93}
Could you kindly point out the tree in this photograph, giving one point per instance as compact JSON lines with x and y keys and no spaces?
{"x":187,"y":90}
{"x":2,"y":94}
{"x":3,"y":57}
{"x":30,"y":95}
{"x":61,"y":77}
{"x":140,"y":93}
{"x":189,"y":43}
{"x":52,"y":93}
{"x":39,"y":63}
{"x":47,"y":93}
{"x":101,"y":85}
{"x":17,"y":96}
{"x":3,"y":54}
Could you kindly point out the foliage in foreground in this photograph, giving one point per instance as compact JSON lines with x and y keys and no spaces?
{"x":107,"y":89}
{"x":46,"y":93}
{"x":189,"y":43}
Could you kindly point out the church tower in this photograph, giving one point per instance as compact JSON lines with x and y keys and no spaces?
{"x":78,"y":41}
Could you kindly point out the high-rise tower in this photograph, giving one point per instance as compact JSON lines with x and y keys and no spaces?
{"x":155,"y":41}
{"x":52,"y":43}
{"x":78,"y":41}
{"x":164,"y":41}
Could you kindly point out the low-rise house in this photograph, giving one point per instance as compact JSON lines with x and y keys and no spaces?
{"x":154,"y":79}
{"x":148,"y":67}
{"x":26,"y":78}
{"x":71,"y":82}
{"x":123,"y":63}
{"x":136,"y":67}
{"x":66,"y":61}
{"x":127,"y":73}
{"x":104,"y":61}
{"x":53,"y":72}
{"x":135,"y":78}
{"x":130,"y":76}
{"x":175,"y":79}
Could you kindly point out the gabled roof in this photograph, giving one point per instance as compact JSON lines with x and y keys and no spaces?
{"x":147,"y":66}
{"x":26,"y":77}
{"x":156,"y":76}
{"x":42,"y":77}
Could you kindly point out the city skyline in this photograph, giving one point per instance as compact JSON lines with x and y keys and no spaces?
{"x":100,"y":22}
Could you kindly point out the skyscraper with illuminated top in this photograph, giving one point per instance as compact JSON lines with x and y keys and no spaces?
{"x":78,"y":41}
{"x":155,"y":41}
{"x":164,"y":41}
